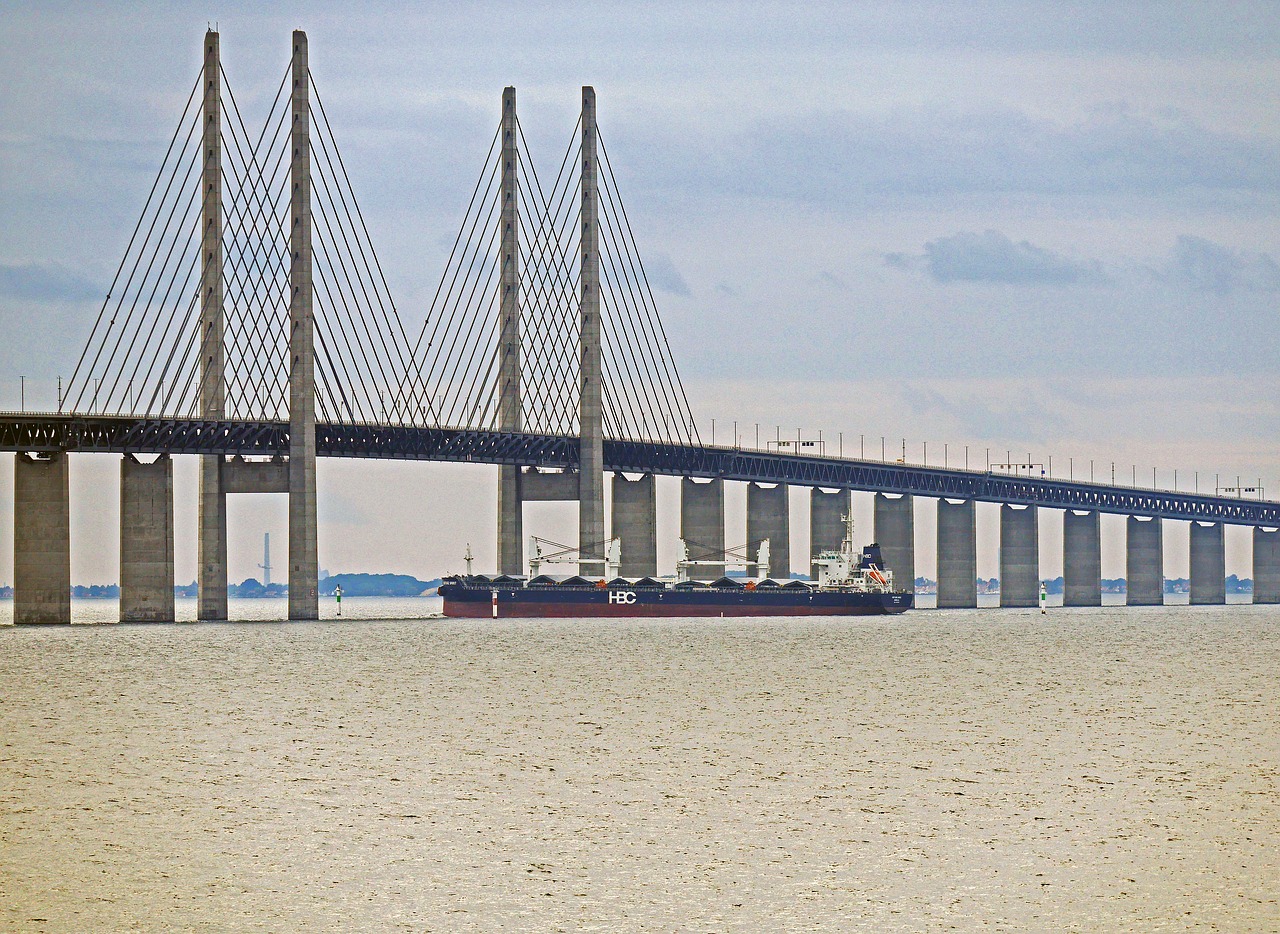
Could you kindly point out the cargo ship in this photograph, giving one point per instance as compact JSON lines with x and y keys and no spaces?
{"x":850,"y":583}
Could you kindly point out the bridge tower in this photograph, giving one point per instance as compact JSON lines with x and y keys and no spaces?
{"x":212,"y":547}
{"x":304,"y":563}
{"x":510,"y":517}
{"x":516,"y":486}
{"x":218,"y":476}
{"x":591,"y":527}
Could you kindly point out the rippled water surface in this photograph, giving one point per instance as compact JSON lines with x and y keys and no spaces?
{"x":1094,"y":770}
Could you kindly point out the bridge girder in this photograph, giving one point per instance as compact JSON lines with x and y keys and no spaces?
{"x":126,"y":434}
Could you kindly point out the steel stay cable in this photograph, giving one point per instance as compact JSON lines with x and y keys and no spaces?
{"x":142,"y":250}
{"x":164,"y":337}
{"x":458,"y":369}
{"x":141,"y":356}
{"x":347,"y":271}
{"x":165,"y":341}
{"x":185,"y":322}
{"x":694,"y":437}
{"x":611,"y":326}
{"x":323,"y":373}
{"x":560,"y":360}
{"x":489,"y":329}
{"x":165,"y":237}
{"x":265,"y":369}
{"x":339,"y":272}
{"x":324,"y":271}
{"x":656,"y":386}
{"x":561,"y":311}
{"x":651,"y":393}
{"x":450,"y":301}
{"x":656,"y":381}
{"x":402,"y":346}
{"x":264,"y":267}
{"x":182,"y":120}
{"x":548,"y":296}
{"x":486,"y":168}
{"x":554,"y":302}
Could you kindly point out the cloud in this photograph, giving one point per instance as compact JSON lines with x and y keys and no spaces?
{"x":1205,"y":266}
{"x":831,"y":281}
{"x":46,"y":282}
{"x":853,"y":158}
{"x":664,"y":276}
{"x":993,"y":257}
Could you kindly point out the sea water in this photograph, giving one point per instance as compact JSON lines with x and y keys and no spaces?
{"x":1095,"y":769}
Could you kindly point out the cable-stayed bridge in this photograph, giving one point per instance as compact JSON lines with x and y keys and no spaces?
{"x":250,"y":322}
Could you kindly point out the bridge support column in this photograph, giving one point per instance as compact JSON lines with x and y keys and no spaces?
{"x":1144,"y":562}
{"x":304,"y":560}
{"x":895,"y":533}
{"x":957,"y":555}
{"x":41,"y":539}
{"x":826,"y":522}
{"x":510,"y":499}
{"x":146,"y":540}
{"x":591,"y":527}
{"x":1208,"y":564}
{"x":702,"y":523}
{"x":1081,"y":559}
{"x":768,"y":517}
{"x":212,"y":544}
{"x":1266,"y":565}
{"x":1019,"y":556}
{"x":635,"y":524}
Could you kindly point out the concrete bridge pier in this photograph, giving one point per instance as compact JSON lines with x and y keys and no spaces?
{"x":1208,"y":564}
{"x":1266,"y":565}
{"x":768,"y":516}
{"x":635,"y":524}
{"x":827,"y":510}
{"x":1019,"y":556}
{"x":146,"y":540}
{"x":1081,"y":559}
{"x":702,"y":523}
{"x":895,"y":533}
{"x":41,"y":539}
{"x":1144,"y":562}
{"x":957,"y":555}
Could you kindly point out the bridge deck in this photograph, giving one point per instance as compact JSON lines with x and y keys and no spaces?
{"x":129,"y":434}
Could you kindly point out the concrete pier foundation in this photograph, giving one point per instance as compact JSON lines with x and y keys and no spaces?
{"x":826,"y":522}
{"x":1081,"y":559}
{"x":1266,"y":566}
{"x":635,"y":524}
{"x":895,"y":534}
{"x":1144,"y":562}
{"x":146,"y":540}
{"x":768,"y":517}
{"x":41,"y":539}
{"x":702,"y":524}
{"x":1019,"y":556}
{"x":1208,"y":564}
{"x":957,"y":555}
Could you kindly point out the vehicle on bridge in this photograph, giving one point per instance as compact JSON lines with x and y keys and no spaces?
{"x":850,"y":583}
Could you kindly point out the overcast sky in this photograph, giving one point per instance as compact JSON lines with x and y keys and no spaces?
{"x":1046,"y":228}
